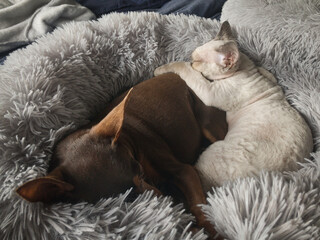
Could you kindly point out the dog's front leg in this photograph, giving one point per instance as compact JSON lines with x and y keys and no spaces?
{"x":142,"y":185}
{"x":186,"y":178}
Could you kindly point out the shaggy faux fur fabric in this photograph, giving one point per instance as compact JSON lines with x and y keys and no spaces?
{"x":58,"y":83}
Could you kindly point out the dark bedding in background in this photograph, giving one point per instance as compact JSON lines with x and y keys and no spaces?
{"x":202,"y":8}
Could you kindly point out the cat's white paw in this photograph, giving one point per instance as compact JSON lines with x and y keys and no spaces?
{"x":160,"y":70}
{"x":174,"y":67}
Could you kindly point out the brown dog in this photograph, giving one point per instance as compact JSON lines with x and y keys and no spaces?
{"x":152,"y":135}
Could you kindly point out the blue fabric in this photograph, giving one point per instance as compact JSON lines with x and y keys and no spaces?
{"x":3,"y":55}
{"x":201,"y":8}
{"x":100,"y":7}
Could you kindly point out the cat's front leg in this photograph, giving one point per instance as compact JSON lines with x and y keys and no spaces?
{"x":180,"y":68}
{"x":184,"y":69}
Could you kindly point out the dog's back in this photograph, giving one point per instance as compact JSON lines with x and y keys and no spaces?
{"x":166,"y":107}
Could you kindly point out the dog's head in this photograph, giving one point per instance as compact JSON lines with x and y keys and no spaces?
{"x":91,"y":164}
{"x":218,"y":58}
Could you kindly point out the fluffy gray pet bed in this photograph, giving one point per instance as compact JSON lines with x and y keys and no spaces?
{"x":60,"y":82}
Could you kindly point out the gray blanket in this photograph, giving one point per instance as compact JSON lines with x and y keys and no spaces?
{"x":58,"y":83}
{"x":23,"y":21}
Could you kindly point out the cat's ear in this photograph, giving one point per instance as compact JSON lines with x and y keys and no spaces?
{"x":225,"y":32}
{"x":45,"y":189}
{"x":111,"y":125}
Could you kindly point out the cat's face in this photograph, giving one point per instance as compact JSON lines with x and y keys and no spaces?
{"x":218,"y":58}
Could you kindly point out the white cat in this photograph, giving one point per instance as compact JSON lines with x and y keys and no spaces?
{"x":265,"y":132}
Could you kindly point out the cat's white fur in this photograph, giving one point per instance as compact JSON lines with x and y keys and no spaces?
{"x":264,"y":131}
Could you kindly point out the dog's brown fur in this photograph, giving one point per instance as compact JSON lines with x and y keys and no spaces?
{"x":152,"y":135}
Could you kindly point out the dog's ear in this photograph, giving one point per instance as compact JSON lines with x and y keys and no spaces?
{"x":225,"y":32}
{"x":45,"y":189}
{"x":111,"y":125}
